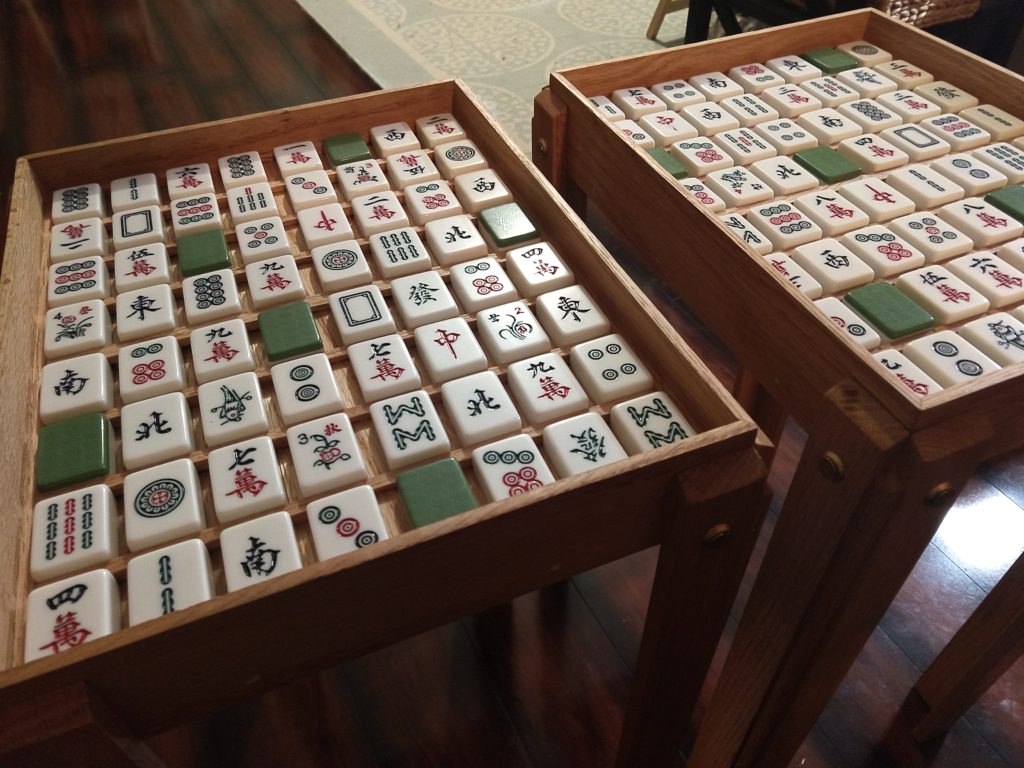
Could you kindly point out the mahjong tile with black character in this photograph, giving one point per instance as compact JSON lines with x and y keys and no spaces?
{"x":345,"y":522}
{"x":305,"y":388}
{"x":949,"y":359}
{"x":190,"y":180}
{"x":985,"y":224}
{"x":936,"y":239}
{"x":150,"y":368}
{"x":537,"y":269}
{"x":138,"y":190}
{"x":829,"y":126}
{"x":570,"y":316}
{"x":252,"y":201}
{"x":409,"y":429}
{"x":454,"y":239}
{"x":393,"y":138}
{"x":747,"y":233}
{"x":904,"y":73}
{"x":829,"y":90}
{"x":786,"y":136}
{"x":156,"y":429}
{"x":947,"y":297}
{"x":399,"y":252}
{"x":608,"y":369}
{"x":666,"y":127}
{"x":676,"y":93}
{"x":909,"y":105}
{"x":195,"y":214}
{"x":510,"y":467}
{"x":793,"y":68}
{"x":755,"y":77}
{"x":925,"y":186}
{"x":378,"y":212}
{"x":1000,"y":336}
{"x":648,"y":422}
{"x":78,"y":239}
{"x":833,"y":265}
{"x":458,"y":157}
{"x":383,"y":367}
{"x":68,"y":613}
{"x":323,"y":224}
{"x":262,"y":239}
{"x":511,"y":332}
{"x":219,"y":350}
{"x":580,"y":444}
{"x":868,"y":82}
{"x":637,"y":101}
{"x":361,"y":177}
{"x":784,"y":176}
{"x":738,"y":186}
{"x":84,"y":201}
{"x":360,"y":313}
{"x":999,"y":123}
{"x":210,"y":296}
{"x":245,"y":479}
{"x":637,"y":135}
{"x":849,"y":322}
{"x":410,"y":167}
{"x":715,"y":85}
{"x":783,"y":224}
{"x":274,"y":281}
{"x":309,"y":189}
{"x":749,"y":109}
{"x":869,"y":114}
{"x":959,"y":133}
{"x":703,"y":196}
{"x":1013,"y":252}
{"x":431,"y":200}
{"x":999,"y":282}
{"x":145,"y":312}
{"x":1005,"y":158}
{"x":479,"y":408}
{"x":483,"y":189}
{"x":608,"y":109}
{"x":948,"y":96}
{"x":709,"y":118}
{"x":137,"y":226}
{"x":791,"y":100}
{"x":325,"y":454}
{"x":900,"y":367}
{"x":422,"y":298}
{"x":700,"y":156}
{"x":745,"y":146}
{"x":76,"y":328}
{"x":439,"y":128}
{"x":448,"y":349}
{"x":794,"y":274}
{"x":167,"y":580}
{"x":883,"y":251}
{"x":340,"y":265}
{"x":481,"y":284}
{"x":73,"y":531}
{"x":241,"y":169}
{"x":545,"y":389}
{"x":71,"y":282}
{"x":877,"y":199}
{"x":161,"y":504}
{"x":873,"y":153}
{"x":231,"y":409}
{"x":864,"y":52}
{"x":258,"y":550}
{"x":918,"y":143}
{"x":298,"y":157}
{"x":141,"y":267}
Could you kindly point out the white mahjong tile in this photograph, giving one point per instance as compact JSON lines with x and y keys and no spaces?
{"x":608,"y":109}
{"x":909,"y":105}
{"x":536,"y":269}
{"x":1001,"y":283}
{"x":873,"y":153}
{"x":431,"y":200}
{"x":378,"y":212}
{"x":448,"y":349}
{"x":258,"y":550}
{"x":632,"y":131}
{"x":195,"y":214}
{"x":676,"y":93}
{"x":909,"y":375}
{"x":481,"y":284}
{"x":150,"y":368}
{"x":1005,"y":158}
{"x":829,"y":90}
{"x":78,"y":239}
{"x":220,"y":350}
{"x":701,"y":156}
{"x":791,"y":100}
{"x":241,"y":169}
{"x":926,"y":187}
{"x":883,"y":251}
{"x":984,"y":223}
{"x":71,"y":282}
{"x":305,"y":388}
{"x":340,"y":265}
{"x":68,"y":613}
{"x":869,"y":114}
{"x":138,"y":190}
{"x":409,"y":429}
{"x":323,"y":225}
{"x":479,"y":408}
{"x":510,"y":467}
{"x":137,"y":226}
{"x":738,"y":186}
{"x":949,"y":358}
{"x":1013,"y":252}
{"x":145,"y":312}
{"x":399,"y":252}
{"x":747,"y":233}
{"x":904,"y":73}
{"x":1000,"y":336}
{"x":877,"y":199}
{"x":715,"y":85}
{"x":784,"y":176}
{"x":745,"y":146}
{"x":262,"y":239}
{"x":344,"y":522}
{"x":76,"y":328}
{"x":156,"y":429}
{"x":1019,"y":143}
{"x":786,"y":136}
{"x":783,"y":224}
{"x":704,"y":196}
{"x":794,"y":274}
{"x":545,"y":389}
{"x":325,"y":455}
{"x":868,"y":82}
{"x":84,"y":201}
{"x":360,"y":314}
{"x":189,"y":181}
{"x":793,"y":68}
{"x":73,"y":531}
{"x":709,"y":118}
{"x":999,"y":123}
{"x":666,"y":127}
{"x":483,"y":189}
{"x":309,"y":189}
{"x":948,"y":96}
{"x":167,"y":580}
{"x":867,"y":54}
{"x":392,"y":138}
{"x":422,"y":298}
{"x":833,"y":265}
{"x":245,"y":479}
{"x":637,"y":102}
{"x":608,"y":369}
{"x":511,"y":332}
{"x":141,"y":267}
{"x":274,"y":281}
{"x":410,"y":167}
{"x":580,"y":444}
{"x":959,"y":133}
{"x":209,"y":296}
{"x":749,"y":109}
{"x":383,"y":367}
{"x":439,"y":128}
{"x":936,"y":239}
{"x":458,"y":157}
{"x":755,"y":77}
{"x":250,"y":201}
{"x":569,"y":315}
{"x":161,"y":504}
{"x":849,"y":322}
{"x":828,"y":126}
{"x":298,"y":157}
{"x":361,"y":177}
{"x":948,"y":298}
{"x":454,"y":239}
{"x":916,"y":142}
{"x":231,"y":409}
{"x":648,"y":422}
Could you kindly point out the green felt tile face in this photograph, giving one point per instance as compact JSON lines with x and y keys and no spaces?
{"x":72,"y":451}
{"x":830,"y":61}
{"x":434,"y":492}
{"x":1008,"y":200}
{"x":827,"y":164}
{"x":889,"y":310}
{"x":346,"y":148}
{"x":202,"y":252}
{"x":289,"y":331}
{"x":507,"y":225}
{"x":668,"y":162}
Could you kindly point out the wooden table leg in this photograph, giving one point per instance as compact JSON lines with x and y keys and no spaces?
{"x":698,"y":21}
{"x":763,"y":408}
{"x":548,"y":148}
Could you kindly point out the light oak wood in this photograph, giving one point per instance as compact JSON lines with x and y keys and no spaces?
{"x":664,"y":8}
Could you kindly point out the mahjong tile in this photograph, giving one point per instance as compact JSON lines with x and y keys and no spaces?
{"x":431,"y":200}
{"x":911,"y":107}
{"x":608,"y":109}
{"x":666,"y":127}
{"x":360,"y":314}
{"x":245,"y":479}
{"x":454,"y":239}
{"x":156,"y":430}
{"x":343,"y":148}
{"x":900,"y":367}
{"x":676,"y":93}
{"x":360,"y":178}
{"x":849,"y":322}
{"x":195,"y":214}
{"x":137,"y":226}
{"x":189,"y":181}
{"x":201,"y":252}
{"x":458,"y":157}
{"x":580,"y":444}
{"x":745,"y":146}
{"x":869,"y":114}
{"x":786,"y":136}
{"x":947,"y":297}
{"x":715,"y":85}
{"x":68,"y":613}
{"x":409,"y":429}
{"x":608,"y":369}
{"x":936,"y":239}
{"x":167,"y":580}
{"x":703,"y":196}
{"x":637,"y":135}
{"x":709,"y":118}
{"x":340,"y":265}
{"x":310,"y":189}
{"x":483,"y":189}
{"x":274,"y":281}
{"x":827,"y":164}
{"x":399,"y":252}
{"x":383,"y":367}
{"x":637,"y":102}
{"x":545,"y":389}
{"x":570,"y":316}
{"x":889,"y":310}
{"x":738,"y":186}
{"x":150,"y":368}
{"x":877,"y":199}
{"x":141,"y":267}
{"x":833,"y":265}
{"x":410,"y":167}
{"x":536,"y":269}
{"x":829,"y":126}
{"x":755,"y":77}
{"x":794,"y":274}
{"x":145,"y":312}
{"x":999,"y":282}
{"x":926,"y":187}
{"x":999,"y":123}
{"x":241,"y":169}
{"x":949,"y":358}
{"x":481,"y":284}
{"x":258,"y":550}
{"x":982,"y":222}
{"x":346,"y":521}
{"x":305,"y":388}
{"x":422,"y":298}
{"x":829,"y":90}
{"x":916,"y":142}
{"x":701,"y":156}
{"x":297,"y":158}
{"x":1013,"y":252}
{"x":511,"y":332}
{"x":783,"y":175}
{"x":479,"y":408}
{"x":868,"y":82}
{"x":867,"y":54}
{"x":378,"y":212}
{"x":262,"y":239}
{"x":510,"y":467}
{"x":959,"y":133}
{"x":830,"y":60}
{"x":73,"y":531}
{"x":793,"y":68}
{"x":82,"y":202}
{"x":448,"y":349}
{"x":885,"y":253}
{"x":393,"y":138}
{"x":872,"y":153}
{"x":250,"y":201}
{"x":209,"y":296}
{"x":832,"y":212}
{"x":648,"y":422}
{"x":75,"y":328}
{"x":161,"y":504}
{"x":231,"y":409}
{"x":325,"y":455}
{"x":134,"y":191}
{"x":436,"y":129}
{"x":220,"y":350}
{"x":747,"y":233}
{"x":72,"y":282}
{"x":749,"y":109}
{"x":783,"y":224}
{"x":1000,"y":336}
{"x":904,"y":73}
{"x":791,"y":100}
{"x":946,"y":95}
{"x":78,"y":239}
{"x":1005,"y":158}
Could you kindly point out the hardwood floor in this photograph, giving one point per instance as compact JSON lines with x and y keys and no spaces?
{"x":542,"y":681}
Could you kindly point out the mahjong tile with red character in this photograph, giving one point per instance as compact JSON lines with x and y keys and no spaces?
{"x":791,"y":100}
{"x":78,"y":239}
{"x":437,"y":129}
{"x":936,"y":239}
{"x":483,"y":189}
{"x":905,"y":74}
{"x":150,"y":368}
{"x":274,"y":281}
{"x":241,"y":169}
{"x":793,"y":68}
{"x":409,"y":429}
{"x":245,"y":479}
{"x":909,"y":105}
{"x":749,"y":109}
{"x":410,"y":167}
{"x":68,"y":613}
{"x":666,"y":127}
{"x":454,"y":239}
{"x":457,"y":157}
{"x":536,"y":269}
{"x":755,"y":77}
{"x":74,"y":386}
{"x":399,"y":252}
{"x":76,"y":281}
{"x":189,"y":181}
{"x":258,"y":550}
{"x":900,"y":367}
{"x":873,"y":153}
{"x":254,"y":200}
{"x":345,"y":522}
{"x":323,"y":224}
{"x":422,"y":298}
{"x":392,"y":138}
{"x":448,"y":349}
{"x":677,"y":94}
{"x":510,"y":467}
{"x":73,"y":531}
{"x":885,"y":253}
{"x":262,"y":239}
{"x":511,"y":332}
{"x":137,"y":226}
{"x":832,"y":212}
{"x":637,"y":102}
{"x":999,"y":282}
{"x":701,"y":156}
{"x":309,"y":189}
{"x":325,"y":455}
{"x":76,"y":328}
{"x":849,"y":322}
{"x":747,"y":233}
{"x":876,"y":198}
{"x":545,"y":389}
{"x":220,"y":350}
{"x":985,"y":224}
{"x":361,"y":177}
{"x":479,"y":408}
{"x":378,"y":212}
{"x":298,"y":157}
{"x":82,"y":202}
{"x":794,"y":274}
{"x":833,"y":265}
{"x":141,"y":267}
{"x":632,"y":131}
{"x":431,"y":200}
{"x":918,"y":143}
{"x":975,"y":176}
{"x":959,"y":133}
{"x":383,"y":367}
{"x":945,"y":296}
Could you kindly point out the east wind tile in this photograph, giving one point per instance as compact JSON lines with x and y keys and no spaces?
{"x":259,"y":550}
{"x":161,"y":504}
{"x":209,"y":296}
{"x":345,"y":522}
{"x":483,"y":189}
{"x":150,"y":368}
{"x":262,"y":239}
{"x":78,"y":239}
{"x":454,"y":239}
{"x":360,"y":314}
{"x":794,"y":274}
{"x":167,"y":580}
{"x":325,"y":454}
{"x":231,"y":409}
{"x":422,"y":298}
{"x":545,"y":389}
{"x":383,"y":367}
{"x":73,"y":531}
{"x":900,"y":367}
{"x":581,"y":444}
{"x":448,"y":349}
{"x":431,"y":200}
{"x":511,"y":332}
{"x":245,"y":479}
{"x":648,"y":422}
{"x":155,"y":430}
{"x":241,"y":168}
{"x":68,"y":613}
{"x":297,"y":157}
{"x":341,"y":265}
{"x":609,"y":369}
{"x":75,"y":328}
{"x":141,"y":267}
{"x":305,"y":388}
{"x":274,"y":281}
{"x":76,"y":385}
{"x":189,"y":181}
{"x":409,"y":429}
{"x":510,"y":467}
{"x":145,"y":312}
{"x":309,"y":189}
{"x":251,"y":201}
{"x":75,"y":281}
{"x":361,"y":177}
{"x":84,"y":201}
{"x":440,"y":128}
{"x":137,"y":226}
{"x":220,"y":349}
{"x":949,"y":359}
{"x":479,"y":408}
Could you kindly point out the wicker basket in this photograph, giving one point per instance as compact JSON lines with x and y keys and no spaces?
{"x":927,"y":13}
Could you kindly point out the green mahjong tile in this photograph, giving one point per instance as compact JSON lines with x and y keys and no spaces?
{"x":1008,"y":200}
{"x":507,"y":225}
{"x":72,"y":451}
{"x":434,"y":492}
{"x":203,"y":252}
{"x":345,"y":148}
{"x":827,"y":164}
{"x":830,"y":61}
{"x":889,"y":310}
{"x":668,"y":162}
{"x":289,"y":331}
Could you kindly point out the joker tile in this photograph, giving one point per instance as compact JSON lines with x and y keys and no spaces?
{"x":701,"y":156}
{"x":889,"y":310}
{"x":393,"y":138}
{"x":999,"y":123}
{"x":999,"y":336}
{"x":867,"y":82}
{"x":378,"y":212}
{"x":794,"y":274}
{"x":231,"y":409}
{"x":219,"y":350}
{"x":1005,"y":158}
{"x":383,"y":367}
{"x":345,"y":522}
{"x":68,"y":613}
{"x":783,"y":224}
{"x":245,"y":479}
{"x":926,"y":187}
{"x":72,"y":532}
{"x":936,"y":239}
{"x":580,"y":444}
{"x":399,"y":252}
{"x":747,"y":233}
{"x":209,"y":296}
{"x":709,"y":118}
{"x":745,"y":146}
{"x":873,"y":153}
{"x":410,"y":167}
{"x":360,"y":313}
{"x":161,"y":504}
{"x":648,"y":422}
{"x":829,"y":126}
{"x":481,"y":284}
{"x":241,"y":169}
{"x":140,"y":267}
{"x":409,"y":429}
{"x":75,"y":328}
{"x":948,"y":358}
{"x":448,"y":349}
{"x":422,"y":298}
{"x":537,"y":269}
{"x":274,"y":281}
{"x":748,"y":109}
{"x":251,"y":201}
{"x":150,"y":368}
{"x":608,"y":369}
{"x":947,"y":297}
{"x":784,"y":176}
{"x":996,"y":280}
{"x":665,"y":127}
{"x":570,"y":316}
{"x":676,"y":93}
{"x":985,"y":224}
{"x":833,"y":265}
{"x":454,"y":239}
{"x":829,"y":90}
{"x":195,"y":214}
{"x":793,"y":68}
{"x":74,"y":450}
{"x":510,"y":467}
{"x":849,"y":322}
{"x":948,"y":96}
{"x":298,"y":157}
{"x":84,"y":201}
{"x":167,"y":580}
{"x":289,"y":331}
{"x":479,"y":408}
{"x":959,"y":133}
{"x":78,"y":239}
{"x":511,"y":332}
{"x":545,"y":389}
{"x":738,"y":186}
{"x":137,"y":226}
{"x":325,"y":455}
{"x":869,"y":114}
{"x":755,"y":77}
{"x":786,"y":136}
{"x":899,"y":366}
{"x":145,"y":312}
{"x":430,"y":201}
{"x":791,"y":100}
{"x":703,"y":196}
{"x":202,"y":252}
{"x":340,"y":265}
{"x":715,"y":86}
{"x":440,"y":128}
{"x":305,"y":388}
{"x":885,"y":253}
{"x":832,"y":212}
{"x":866,"y":54}
{"x":911,"y":107}
{"x":74,"y":386}
{"x":916,"y":142}
{"x":483,"y":189}
{"x":344,"y":148}
{"x":73,"y":282}
{"x":155,"y":430}
{"x":189,"y":181}
{"x":361,"y":178}
{"x":458,"y":157}
{"x":259,"y":550}
{"x":877,"y":199}
{"x":904,"y":73}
